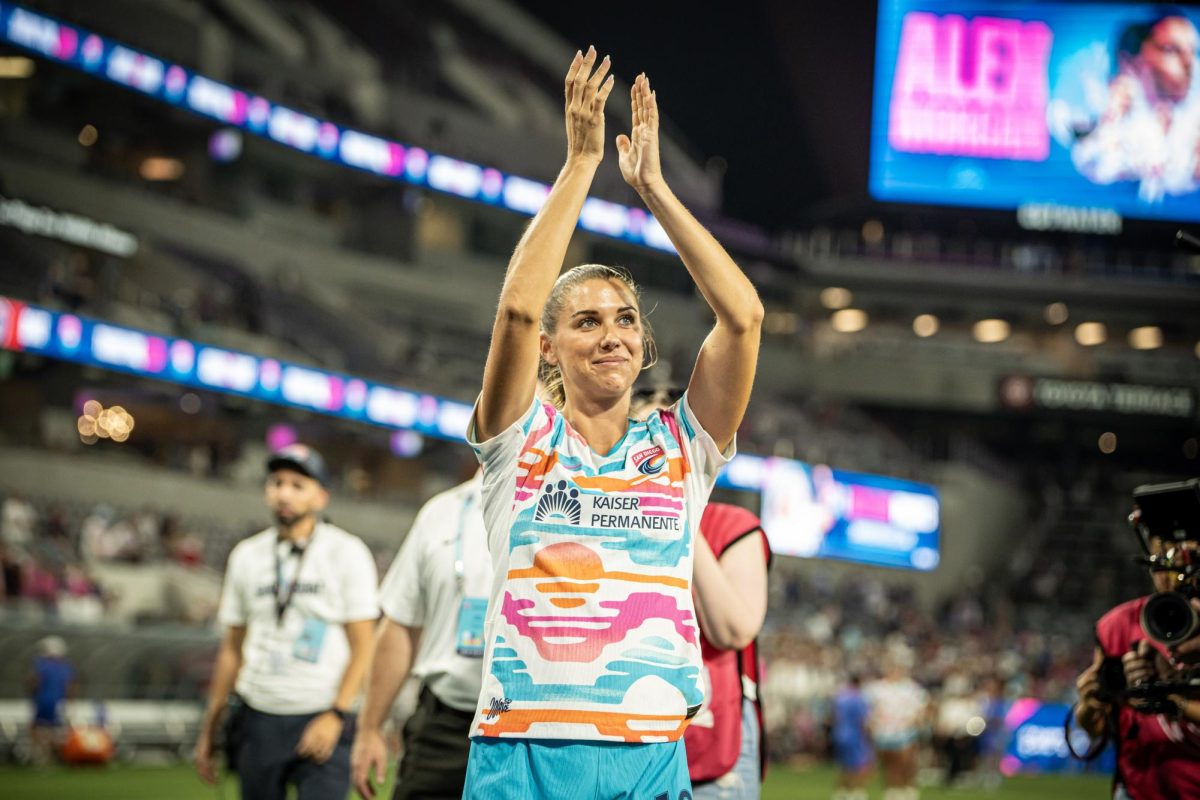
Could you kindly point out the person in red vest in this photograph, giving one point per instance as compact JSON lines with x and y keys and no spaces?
{"x":726,"y":751}
{"x":1158,"y":752}
{"x":725,"y":748}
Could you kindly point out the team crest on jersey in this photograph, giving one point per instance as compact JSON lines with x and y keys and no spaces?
{"x":650,"y":461}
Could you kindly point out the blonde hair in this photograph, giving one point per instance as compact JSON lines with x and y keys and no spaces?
{"x":550,"y":374}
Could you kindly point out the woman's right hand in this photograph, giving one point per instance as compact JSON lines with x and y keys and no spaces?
{"x":586,"y":92}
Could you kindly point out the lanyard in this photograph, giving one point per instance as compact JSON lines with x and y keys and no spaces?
{"x":283,"y":598}
{"x":459,"y":566}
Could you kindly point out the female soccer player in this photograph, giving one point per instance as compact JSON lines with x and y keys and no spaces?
{"x":592,"y":659}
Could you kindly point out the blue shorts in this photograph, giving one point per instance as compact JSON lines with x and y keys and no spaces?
{"x":852,"y":754}
{"x":47,"y":714}
{"x":550,"y":769}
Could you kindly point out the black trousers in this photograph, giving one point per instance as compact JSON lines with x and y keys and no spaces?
{"x":267,"y":760}
{"x":436,"y":746}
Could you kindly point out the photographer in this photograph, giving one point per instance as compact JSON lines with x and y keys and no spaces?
{"x":1123,"y":694}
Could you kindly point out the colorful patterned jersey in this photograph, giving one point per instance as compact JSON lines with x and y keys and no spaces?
{"x":591,"y":633}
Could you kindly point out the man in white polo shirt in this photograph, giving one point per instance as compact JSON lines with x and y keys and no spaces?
{"x":298,"y":605}
{"x":434,"y":600}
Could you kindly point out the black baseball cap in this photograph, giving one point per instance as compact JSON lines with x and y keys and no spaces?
{"x":302,"y":459}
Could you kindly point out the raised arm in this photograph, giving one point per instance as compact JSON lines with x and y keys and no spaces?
{"x":719,"y":389}
{"x":510,"y":374}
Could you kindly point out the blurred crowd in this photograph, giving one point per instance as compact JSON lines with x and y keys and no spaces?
{"x":71,"y":563}
{"x":50,"y":554}
{"x":972,"y":657}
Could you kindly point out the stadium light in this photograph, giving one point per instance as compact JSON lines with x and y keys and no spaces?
{"x":991,"y":331}
{"x":1107,"y":443}
{"x":872,"y":232}
{"x":97,"y":422}
{"x":849,"y":320}
{"x":925,"y":325}
{"x":1090,"y":334}
{"x":1148,"y":337}
{"x":88,"y":135}
{"x":1056,"y":313}
{"x":835,"y":297}
{"x":160,"y":168}
{"x":16,"y":67}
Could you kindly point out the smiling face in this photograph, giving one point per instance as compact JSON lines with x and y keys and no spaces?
{"x":597,"y":340}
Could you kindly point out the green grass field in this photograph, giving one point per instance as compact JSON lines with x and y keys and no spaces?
{"x":179,"y":783}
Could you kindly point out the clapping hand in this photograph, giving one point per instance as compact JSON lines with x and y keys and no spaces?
{"x":639,"y":150}
{"x":586,"y":92}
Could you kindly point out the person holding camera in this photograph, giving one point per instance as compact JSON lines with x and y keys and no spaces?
{"x":1156,"y":733}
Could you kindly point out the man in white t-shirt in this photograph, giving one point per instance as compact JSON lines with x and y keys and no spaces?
{"x":298,"y":605}
{"x":434,"y":598}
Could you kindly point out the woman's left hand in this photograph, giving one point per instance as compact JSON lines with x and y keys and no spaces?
{"x":638,"y":152}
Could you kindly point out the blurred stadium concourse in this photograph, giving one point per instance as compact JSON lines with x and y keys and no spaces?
{"x":228,"y":225}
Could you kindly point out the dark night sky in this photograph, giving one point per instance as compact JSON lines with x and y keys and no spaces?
{"x":781,"y":89}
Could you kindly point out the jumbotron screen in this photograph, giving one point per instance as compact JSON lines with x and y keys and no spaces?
{"x":1038,"y":105}
{"x":815,"y":511}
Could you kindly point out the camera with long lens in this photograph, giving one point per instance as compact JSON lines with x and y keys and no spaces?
{"x":1170,"y":512}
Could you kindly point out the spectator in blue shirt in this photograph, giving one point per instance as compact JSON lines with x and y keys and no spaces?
{"x":53,"y":680}
{"x":851,"y":741}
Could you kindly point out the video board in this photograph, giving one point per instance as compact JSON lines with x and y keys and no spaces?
{"x":1071,"y":106}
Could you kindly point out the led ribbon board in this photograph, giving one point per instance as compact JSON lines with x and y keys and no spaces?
{"x":813,"y":511}
{"x":809,"y":511}
{"x":32,"y":329}
{"x":1084,"y":112}
{"x":177,"y":86}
